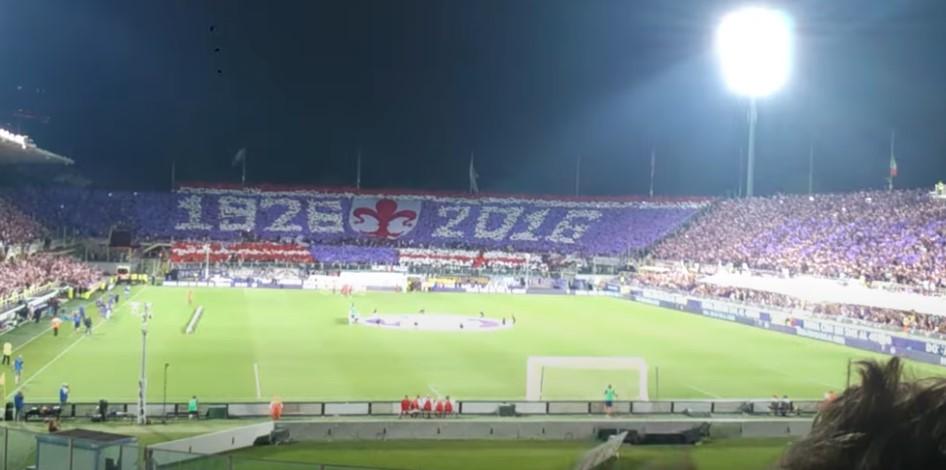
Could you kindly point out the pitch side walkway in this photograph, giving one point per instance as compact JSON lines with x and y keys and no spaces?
{"x":539,"y":427}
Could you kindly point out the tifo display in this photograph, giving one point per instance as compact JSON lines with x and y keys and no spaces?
{"x":271,"y":290}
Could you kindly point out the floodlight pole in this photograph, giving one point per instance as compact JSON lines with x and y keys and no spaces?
{"x":164,"y":405}
{"x":143,"y":378}
{"x":752,"y":116}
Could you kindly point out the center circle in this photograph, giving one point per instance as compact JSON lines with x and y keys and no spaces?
{"x":434,"y":322}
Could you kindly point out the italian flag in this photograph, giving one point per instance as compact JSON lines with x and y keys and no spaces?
{"x":893,"y":166}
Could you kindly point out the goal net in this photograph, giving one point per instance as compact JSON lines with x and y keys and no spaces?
{"x":585,"y":377}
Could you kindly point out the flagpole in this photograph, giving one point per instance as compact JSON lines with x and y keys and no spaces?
{"x":739,"y":178}
{"x":243,"y":177}
{"x":893,"y":142}
{"x":471,"y":174}
{"x":653,"y":162}
{"x":358,"y":171}
{"x":811,"y":167}
{"x":578,"y":176}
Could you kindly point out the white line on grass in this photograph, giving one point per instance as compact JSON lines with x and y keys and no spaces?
{"x":259,"y":393}
{"x":700,"y":390}
{"x":64,"y":351}
{"x":434,"y":389}
{"x":41,"y":333}
{"x":49,"y":328}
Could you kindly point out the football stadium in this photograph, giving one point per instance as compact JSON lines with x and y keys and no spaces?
{"x":285,"y":322}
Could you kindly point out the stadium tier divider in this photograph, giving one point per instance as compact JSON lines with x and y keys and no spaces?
{"x":118,"y":411}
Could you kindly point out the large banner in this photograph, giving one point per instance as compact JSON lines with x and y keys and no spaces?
{"x":594,"y":227}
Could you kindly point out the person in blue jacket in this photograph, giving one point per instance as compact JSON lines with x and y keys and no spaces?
{"x":18,"y":404}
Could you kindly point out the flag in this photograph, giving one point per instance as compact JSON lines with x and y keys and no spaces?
{"x":893,"y":165}
{"x":474,"y":186}
{"x":240,"y":157}
{"x":653,"y":164}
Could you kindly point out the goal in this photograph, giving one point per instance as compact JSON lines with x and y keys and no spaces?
{"x":536,"y":367}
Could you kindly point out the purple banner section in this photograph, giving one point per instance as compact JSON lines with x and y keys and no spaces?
{"x":855,"y":336}
{"x":543,"y":225}
{"x":522,"y":225}
{"x":348,"y":254}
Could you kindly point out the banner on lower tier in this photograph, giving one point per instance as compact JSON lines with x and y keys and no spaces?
{"x":857,"y":336}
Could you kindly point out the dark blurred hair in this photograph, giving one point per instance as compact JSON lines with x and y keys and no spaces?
{"x":883,"y":423}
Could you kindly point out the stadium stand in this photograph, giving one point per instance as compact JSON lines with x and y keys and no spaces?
{"x":42,"y":269}
{"x":419,"y":220}
{"x":896,"y":236}
{"x":686,"y":282}
{"x":16,"y":227}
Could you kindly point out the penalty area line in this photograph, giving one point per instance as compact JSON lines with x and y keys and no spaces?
{"x":259,"y":393}
{"x":700,"y":390}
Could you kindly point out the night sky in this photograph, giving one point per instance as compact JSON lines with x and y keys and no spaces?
{"x":528,"y":86}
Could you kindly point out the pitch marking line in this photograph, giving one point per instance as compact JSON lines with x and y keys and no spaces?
{"x":63,"y":352}
{"x":700,"y":390}
{"x":434,"y":389}
{"x":49,"y":328}
{"x":259,"y":393}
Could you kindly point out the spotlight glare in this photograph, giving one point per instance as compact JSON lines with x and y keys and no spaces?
{"x":754,"y":45}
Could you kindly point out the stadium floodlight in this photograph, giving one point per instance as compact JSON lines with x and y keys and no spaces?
{"x":754,"y":45}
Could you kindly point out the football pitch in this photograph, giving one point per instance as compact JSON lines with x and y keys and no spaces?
{"x":253,"y":344}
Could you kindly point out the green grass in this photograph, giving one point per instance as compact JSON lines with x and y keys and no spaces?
{"x":740,"y":454}
{"x":305,"y":350}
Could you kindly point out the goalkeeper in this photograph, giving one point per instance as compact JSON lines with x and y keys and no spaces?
{"x":609,"y":396}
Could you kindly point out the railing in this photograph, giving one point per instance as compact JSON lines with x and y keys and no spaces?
{"x":119,"y":411}
{"x":17,"y":297}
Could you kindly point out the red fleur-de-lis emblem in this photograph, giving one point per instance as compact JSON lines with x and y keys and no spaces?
{"x":385,"y":212}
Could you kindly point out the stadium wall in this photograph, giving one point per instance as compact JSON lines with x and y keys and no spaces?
{"x":384,"y":409}
{"x":546,"y":429}
{"x":913,"y":347}
{"x":216,"y":442}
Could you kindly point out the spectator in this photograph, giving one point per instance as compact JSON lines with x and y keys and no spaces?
{"x":884,"y":423}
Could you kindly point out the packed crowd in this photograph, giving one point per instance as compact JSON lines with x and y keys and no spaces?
{"x":897,"y":236}
{"x":37,"y":270}
{"x":687,"y":283}
{"x":16,"y":227}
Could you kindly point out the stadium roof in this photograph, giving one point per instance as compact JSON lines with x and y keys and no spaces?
{"x":15,"y":148}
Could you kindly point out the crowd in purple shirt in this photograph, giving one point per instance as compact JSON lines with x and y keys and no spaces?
{"x":897,"y":236}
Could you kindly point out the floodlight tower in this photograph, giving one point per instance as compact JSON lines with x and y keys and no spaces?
{"x":754,"y":45}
